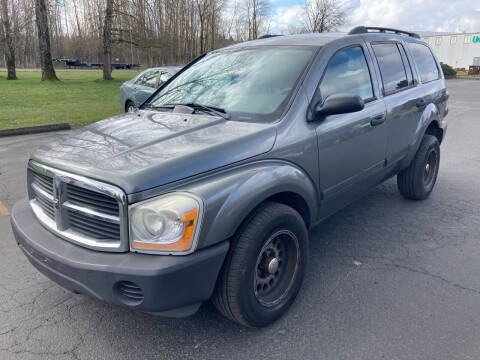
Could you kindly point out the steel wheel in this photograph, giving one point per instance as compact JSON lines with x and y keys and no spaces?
{"x":276,"y":268}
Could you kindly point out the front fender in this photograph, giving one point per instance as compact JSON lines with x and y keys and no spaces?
{"x":229,"y":196}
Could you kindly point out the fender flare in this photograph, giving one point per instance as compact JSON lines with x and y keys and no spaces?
{"x":430,"y":115}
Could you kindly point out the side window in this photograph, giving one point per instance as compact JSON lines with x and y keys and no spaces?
{"x":393,"y":72}
{"x":150,"y":79}
{"x":426,"y":64}
{"x":164,"y":76}
{"x":347,"y":72}
{"x":139,"y":81}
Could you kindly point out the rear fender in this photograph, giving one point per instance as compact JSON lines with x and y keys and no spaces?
{"x":429,"y":115}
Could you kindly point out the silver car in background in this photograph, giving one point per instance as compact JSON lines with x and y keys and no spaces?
{"x":135,"y":91}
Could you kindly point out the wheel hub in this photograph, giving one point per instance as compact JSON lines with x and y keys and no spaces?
{"x":272,"y":266}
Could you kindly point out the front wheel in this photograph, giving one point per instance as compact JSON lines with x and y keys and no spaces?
{"x":417,"y":181}
{"x":129,"y":106}
{"x":265,"y":266}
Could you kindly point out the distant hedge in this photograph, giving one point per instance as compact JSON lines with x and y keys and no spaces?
{"x":448,"y":70}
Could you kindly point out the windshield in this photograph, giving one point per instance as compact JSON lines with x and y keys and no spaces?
{"x":249,"y":84}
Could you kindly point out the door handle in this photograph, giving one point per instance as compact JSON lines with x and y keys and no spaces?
{"x":377,"y":120}
{"x":420,"y":103}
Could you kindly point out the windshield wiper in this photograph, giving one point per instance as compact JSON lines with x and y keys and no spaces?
{"x":212,"y":109}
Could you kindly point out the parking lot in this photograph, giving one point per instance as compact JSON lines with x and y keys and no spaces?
{"x":388,"y":279}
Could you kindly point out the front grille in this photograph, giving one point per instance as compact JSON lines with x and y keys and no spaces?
{"x":97,"y":228}
{"x":79,"y":209}
{"x":92,"y":200}
{"x":47,"y":207}
{"x":45,"y":182}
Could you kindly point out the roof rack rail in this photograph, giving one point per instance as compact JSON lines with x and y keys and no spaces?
{"x":367,"y":29}
{"x":267,"y":36}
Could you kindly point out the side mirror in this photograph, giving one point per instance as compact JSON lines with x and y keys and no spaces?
{"x":338,"y":104}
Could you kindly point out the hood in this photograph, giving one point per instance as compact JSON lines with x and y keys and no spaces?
{"x":141,"y":150}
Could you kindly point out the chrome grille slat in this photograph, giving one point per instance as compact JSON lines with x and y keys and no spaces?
{"x":86,"y":211}
{"x":41,"y":191}
{"x":47,"y":207}
{"x":79,"y":209}
{"x":44,"y":181}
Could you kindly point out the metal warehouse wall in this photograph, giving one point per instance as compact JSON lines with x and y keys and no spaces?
{"x":456,"y":50}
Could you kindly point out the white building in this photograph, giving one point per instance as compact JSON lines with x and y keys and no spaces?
{"x":459,"y":50}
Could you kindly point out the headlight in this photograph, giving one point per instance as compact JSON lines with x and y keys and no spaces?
{"x":167,"y":223}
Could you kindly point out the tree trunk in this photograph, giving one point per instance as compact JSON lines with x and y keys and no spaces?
{"x":107,"y":42}
{"x":9,"y":46}
{"x":46,"y":63}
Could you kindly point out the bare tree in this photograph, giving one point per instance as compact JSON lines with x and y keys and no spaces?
{"x":107,"y":41}
{"x":257,"y":12}
{"x":323,"y":15}
{"x":9,"y":45}
{"x":46,"y":63}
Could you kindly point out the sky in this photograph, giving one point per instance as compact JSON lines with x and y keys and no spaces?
{"x":412,"y":15}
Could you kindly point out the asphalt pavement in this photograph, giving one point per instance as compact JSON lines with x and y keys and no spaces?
{"x":387,"y":278}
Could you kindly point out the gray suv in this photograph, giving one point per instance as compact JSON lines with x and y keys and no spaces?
{"x":208,"y":190}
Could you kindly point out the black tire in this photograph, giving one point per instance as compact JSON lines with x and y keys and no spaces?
{"x":129,"y":104}
{"x":417,"y":181}
{"x":250,"y":290}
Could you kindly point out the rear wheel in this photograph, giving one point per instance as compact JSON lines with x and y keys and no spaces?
{"x":265,"y":266}
{"x":418,"y":180}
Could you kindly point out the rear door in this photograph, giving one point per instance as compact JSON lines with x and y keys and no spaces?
{"x":351,"y":146}
{"x":402,"y":96}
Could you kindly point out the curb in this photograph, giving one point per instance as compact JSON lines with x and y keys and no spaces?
{"x":462,"y":78}
{"x":34,"y":129}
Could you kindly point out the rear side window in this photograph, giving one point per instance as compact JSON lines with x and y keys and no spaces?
{"x":391,"y":65}
{"x":347,"y":72}
{"x":425,"y":62}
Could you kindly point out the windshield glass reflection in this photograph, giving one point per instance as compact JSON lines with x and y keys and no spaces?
{"x":253,"y":83}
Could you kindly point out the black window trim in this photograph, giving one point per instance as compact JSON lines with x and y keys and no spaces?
{"x":392,"y":92}
{"x":439,"y":76}
{"x":407,"y":64}
{"x":317,"y":94}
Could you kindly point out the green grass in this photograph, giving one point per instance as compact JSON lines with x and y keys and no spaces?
{"x":80,"y":98}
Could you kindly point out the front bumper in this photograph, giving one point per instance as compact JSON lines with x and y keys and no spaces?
{"x":170,"y":285}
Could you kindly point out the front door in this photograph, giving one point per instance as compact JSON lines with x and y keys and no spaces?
{"x":351,"y":147}
{"x":147,"y":84}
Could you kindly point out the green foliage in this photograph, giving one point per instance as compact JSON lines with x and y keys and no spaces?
{"x":78,"y":98}
{"x":448,"y":70}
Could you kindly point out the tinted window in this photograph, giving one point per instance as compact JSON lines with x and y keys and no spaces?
{"x":347,"y":72}
{"x":426,"y":63}
{"x":391,"y":66}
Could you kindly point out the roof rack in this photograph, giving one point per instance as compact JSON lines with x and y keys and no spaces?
{"x":267,"y":36}
{"x":367,"y":29}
